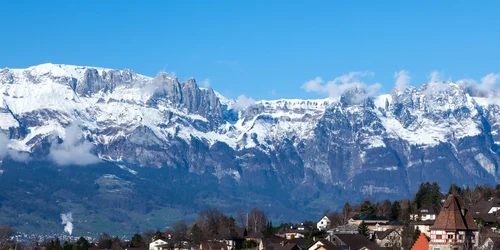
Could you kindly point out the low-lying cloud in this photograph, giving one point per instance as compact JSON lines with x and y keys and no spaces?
{"x":206,"y":83}
{"x":5,"y":151}
{"x":244,"y":102}
{"x":402,"y":79}
{"x":74,"y":150}
{"x":336,"y":87}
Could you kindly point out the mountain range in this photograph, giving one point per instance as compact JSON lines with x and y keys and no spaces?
{"x":126,"y":152}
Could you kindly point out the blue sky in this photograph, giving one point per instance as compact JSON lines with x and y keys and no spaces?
{"x":263,"y":49}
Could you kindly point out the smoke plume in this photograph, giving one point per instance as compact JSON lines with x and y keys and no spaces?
{"x":67,"y":221}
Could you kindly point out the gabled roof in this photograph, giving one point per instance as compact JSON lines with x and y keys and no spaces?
{"x":256,"y":235}
{"x":300,"y":242}
{"x":423,"y":222}
{"x":380,"y":235}
{"x":354,"y":241}
{"x":426,"y":210}
{"x":483,"y":207}
{"x":234,"y":233}
{"x":327,"y":245}
{"x":422,"y":243}
{"x":323,"y":218}
{"x":454,"y":216}
{"x":370,"y":217}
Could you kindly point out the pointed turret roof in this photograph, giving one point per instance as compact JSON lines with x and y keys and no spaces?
{"x":422,"y":243}
{"x":454,"y":216}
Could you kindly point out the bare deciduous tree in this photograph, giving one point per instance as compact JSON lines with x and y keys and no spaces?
{"x":179,"y":230}
{"x":256,"y":220}
{"x":241,"y":217}
{"x":210,"y":221}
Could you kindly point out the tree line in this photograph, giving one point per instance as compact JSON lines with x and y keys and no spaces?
{"x":211,"y":221}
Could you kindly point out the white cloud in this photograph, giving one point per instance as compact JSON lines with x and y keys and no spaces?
{"x":206,"y":83}
{"x":13,"y":154}
{"x":489,"y":82}
{"x":402,"y":79}
{"x":244,"y":102}
{"x":336,"y":87}
{"x":435,"y":76}
{"x":488,"y":87}
{"x":74,"y":150}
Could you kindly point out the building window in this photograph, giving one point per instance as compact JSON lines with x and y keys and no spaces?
{"x":438,"y":237}
{"x":437,"y":248}
{"x":461,"y":237}
{"x":450,"y":236}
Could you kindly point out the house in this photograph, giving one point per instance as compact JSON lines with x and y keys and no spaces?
{"x":491,"y":243}
{"x":232,"y":237}
{"x":368,"y":219}
{"x":380,"y":226}
{"x":256,"y":236}
{"x":390,"y":239}
{"x":213,"y":245}
{"x":454,"y":229}
{"x":323,"y":223}
{"x":354,"y":242}
{"x":271,"y":243}
{"x":324,"y":245}
{"x":155,"y":244}
{"x":344,"y":229}
{"x":424,"y":214}
{"x":486,"y":211}
{"x":300,"y":242}
{"x":423,"y":226}
{"x":422,"y":243}
{"x":295,"y":232}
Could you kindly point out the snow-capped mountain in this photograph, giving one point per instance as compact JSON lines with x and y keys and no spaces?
{"x":384,"y":145}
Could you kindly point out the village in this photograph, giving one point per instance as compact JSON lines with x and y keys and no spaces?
{"x":452,"y":227}
{"x":459,"y":220}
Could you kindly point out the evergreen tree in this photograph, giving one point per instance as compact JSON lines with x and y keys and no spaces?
{"x":497,"y":191}
{"x":428,"y":195}
{"x":367,"y":208}
{"x":81,"y":244}
{"x":395,"y":210}
{"x":455,"y":190}
{"x":269,"y":230}
{"x":416,"y":234}
{"x":67,"y":246}
{"x":196,"y":234}
{"x":137,"y":241}
{"x":363,"y":229}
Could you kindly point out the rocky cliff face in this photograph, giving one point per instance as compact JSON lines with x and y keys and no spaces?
{"x":381,"y":146}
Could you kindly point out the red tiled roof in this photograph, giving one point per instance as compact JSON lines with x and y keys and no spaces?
{"x":454,"y":216}
{"x":422,"y":243}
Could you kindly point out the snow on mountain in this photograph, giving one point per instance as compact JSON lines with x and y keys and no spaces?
{"x":160,"y":121}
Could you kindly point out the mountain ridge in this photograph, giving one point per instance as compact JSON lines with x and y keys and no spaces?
{"x":307,"y":155}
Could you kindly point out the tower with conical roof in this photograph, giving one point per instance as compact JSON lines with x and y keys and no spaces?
{"x":454,"y":229}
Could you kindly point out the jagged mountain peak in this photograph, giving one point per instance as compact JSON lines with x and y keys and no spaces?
{"x":163,"y":122}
